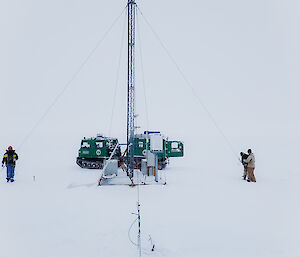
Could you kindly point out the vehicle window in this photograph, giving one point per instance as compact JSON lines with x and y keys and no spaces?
{"x":110,"y":144}
{"x":99,"y":144}
{"x":174,"y":145}
{"x":85,"y":145}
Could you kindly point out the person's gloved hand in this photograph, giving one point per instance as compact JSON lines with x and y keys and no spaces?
{"x":2,"y":165}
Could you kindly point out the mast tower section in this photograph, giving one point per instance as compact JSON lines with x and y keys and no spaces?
{"x":131,"y":86}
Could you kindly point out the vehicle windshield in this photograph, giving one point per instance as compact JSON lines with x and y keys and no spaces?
{"x":85,"y":144}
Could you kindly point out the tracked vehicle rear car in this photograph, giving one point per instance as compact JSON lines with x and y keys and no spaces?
{"x":169,"y":149}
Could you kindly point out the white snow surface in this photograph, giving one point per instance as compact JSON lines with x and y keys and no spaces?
{"x":241,"y":58}
{"x":200,"y":212}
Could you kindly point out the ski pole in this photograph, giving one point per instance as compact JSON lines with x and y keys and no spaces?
{"x":2,"y":169}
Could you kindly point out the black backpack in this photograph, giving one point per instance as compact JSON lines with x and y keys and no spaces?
{"x":10,"y":157}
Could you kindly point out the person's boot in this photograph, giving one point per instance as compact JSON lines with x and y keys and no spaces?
{"x":248,"y":180}
{"x":7,"y":179}
{"x":12,"y":180}
{"x":244,"y":177}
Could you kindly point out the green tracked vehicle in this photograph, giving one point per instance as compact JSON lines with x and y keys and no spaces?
{"x":94,"y":151}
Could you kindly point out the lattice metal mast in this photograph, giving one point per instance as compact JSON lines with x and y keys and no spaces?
{"x":131,"y":85}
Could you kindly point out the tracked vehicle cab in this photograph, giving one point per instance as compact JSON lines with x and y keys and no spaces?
{"x":94,"y":151}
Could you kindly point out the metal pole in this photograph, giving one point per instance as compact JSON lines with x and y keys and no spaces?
{"x":156,"y":167}
{"x":131,"y":86}
{"x":139,"y":234}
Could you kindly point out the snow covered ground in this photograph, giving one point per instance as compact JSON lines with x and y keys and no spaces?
{"x":242,"y":59}
{"x":200,"y":212}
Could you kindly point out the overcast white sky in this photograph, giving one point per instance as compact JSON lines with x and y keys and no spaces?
{"x":241,"y":57}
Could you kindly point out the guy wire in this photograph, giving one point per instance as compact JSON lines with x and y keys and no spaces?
{"x":190,"y":86}
{"x":67,"y":85}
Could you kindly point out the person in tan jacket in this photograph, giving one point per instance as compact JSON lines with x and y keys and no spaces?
{"x":250,"y":166}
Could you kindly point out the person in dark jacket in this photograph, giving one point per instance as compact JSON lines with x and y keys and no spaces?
{"x":9,"y":160}
{"x":244,"y":156}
